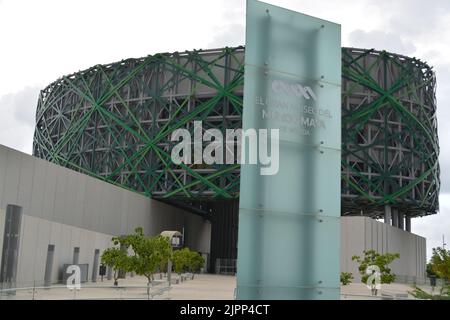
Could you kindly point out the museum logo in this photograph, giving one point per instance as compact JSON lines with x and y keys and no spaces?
{"x":293,"y":89}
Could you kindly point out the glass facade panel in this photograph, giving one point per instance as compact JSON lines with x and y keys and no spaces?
{"x":289,"y":231}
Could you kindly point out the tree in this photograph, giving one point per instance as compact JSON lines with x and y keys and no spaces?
{"x":148,"y":253}
{"x":374,"y":260}
{"x":346,"y":278}
{"x":440,"y":263}
{"x":439,"y":266}
{"x":146,"y":256}
{"x":187,"y":260}
{"x":195,"y":262}
{"x":117,"y":259}
{"x":430,"y":272}
{"x":181,"y":260}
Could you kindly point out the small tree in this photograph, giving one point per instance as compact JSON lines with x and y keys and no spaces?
{"x":181,"y":260}
{"x":187,"y":260}
{"x":195,"y":262}
{"x":440,"y":263}
{"x":346,"y":278}
{"x":117,"y":259}
{"x":430,"y":272}
{"x":439,"y":266}
{"x":149,"y":253}
{"x":373,"y":258}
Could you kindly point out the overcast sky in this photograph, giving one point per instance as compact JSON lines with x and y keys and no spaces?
{"x":41,"y":40}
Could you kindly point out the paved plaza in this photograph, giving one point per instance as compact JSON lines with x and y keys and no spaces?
{"x":202,"y":287}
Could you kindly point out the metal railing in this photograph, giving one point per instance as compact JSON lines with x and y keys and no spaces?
{"x":419,"y":281}
{"x":382,"y":296}
{"x":225,"y":266}
{"x":89,"y":291}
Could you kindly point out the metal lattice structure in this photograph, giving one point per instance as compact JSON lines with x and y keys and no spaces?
{"x":115,"y":121}
{"x":389,"y":131}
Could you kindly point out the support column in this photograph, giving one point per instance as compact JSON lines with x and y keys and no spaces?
{"x":387,"y":214}
{"x":401,"y":220}
{"x":408,"y":223}
{"x":394,"y":217}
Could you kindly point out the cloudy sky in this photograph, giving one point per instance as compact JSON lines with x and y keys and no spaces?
{"x":42,"y":40}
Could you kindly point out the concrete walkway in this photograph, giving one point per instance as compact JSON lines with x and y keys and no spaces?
{"x":359,"y":291}
{"x":203,"y":287}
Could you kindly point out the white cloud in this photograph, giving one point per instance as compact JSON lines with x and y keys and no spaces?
{"x":415,"y":18}
{"x":17,"y":120}
{"x":434,"y":227}
{"x":233,"y":35}
{"x":43,"y":40}
{"x":381,"y":40}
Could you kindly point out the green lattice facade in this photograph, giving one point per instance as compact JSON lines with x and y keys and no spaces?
{"x":115,"y":121}
{"x":389,"y":131}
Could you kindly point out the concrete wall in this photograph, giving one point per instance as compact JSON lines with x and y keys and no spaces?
{"x":363,"y":233}
{"x":70,"y":209}
{"x":37,"y":233}
{"x":54,"y":193}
